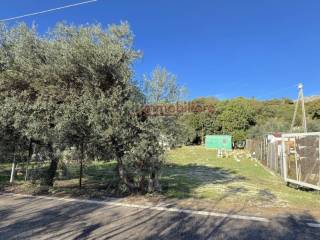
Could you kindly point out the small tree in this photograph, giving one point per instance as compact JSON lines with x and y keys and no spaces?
{"x":162,"y":87}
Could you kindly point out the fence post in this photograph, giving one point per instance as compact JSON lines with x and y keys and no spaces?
{"x":13,"y":169}
{"x":319,"y":159}
{"x":284,"y":160}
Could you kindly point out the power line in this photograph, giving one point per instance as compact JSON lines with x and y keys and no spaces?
{"x":49,"y":10}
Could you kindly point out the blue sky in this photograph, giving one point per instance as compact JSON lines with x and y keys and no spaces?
{"x":222,"y":48}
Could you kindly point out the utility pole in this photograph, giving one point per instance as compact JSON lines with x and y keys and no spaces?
{"x":304,"y":119}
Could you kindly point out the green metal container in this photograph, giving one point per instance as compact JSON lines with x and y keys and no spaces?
{"x":218,"y":142}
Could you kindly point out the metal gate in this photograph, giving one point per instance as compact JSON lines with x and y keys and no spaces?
{"x":301,"y":159}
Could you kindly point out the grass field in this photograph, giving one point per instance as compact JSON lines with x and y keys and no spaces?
{"x":195,"y":174}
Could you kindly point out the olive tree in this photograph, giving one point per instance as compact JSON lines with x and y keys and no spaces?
{"x":74,"y":86}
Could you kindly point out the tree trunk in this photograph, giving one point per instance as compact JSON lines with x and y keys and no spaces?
{"x":122,"y":174}
{"x":81,"y":166}
{"x":28,"y":160}
{"x":153,"y":183}
{"x":141,"y":184}
{"x":13,"y":169}
{"x":53,"y":166}
{"x":124,"y":178}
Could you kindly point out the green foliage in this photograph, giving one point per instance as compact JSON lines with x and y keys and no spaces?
{"x":236,"y":117}
{"x":244,"y":118}
{"x":272,"y":125}
{"x":313,"y":109}
{"x":73,"y":88}
{"x":314,"y":125}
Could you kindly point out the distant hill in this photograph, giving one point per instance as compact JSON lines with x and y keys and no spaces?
{"x":311,"y":98}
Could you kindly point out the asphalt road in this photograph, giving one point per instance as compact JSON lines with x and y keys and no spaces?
{"x":23,"y":217}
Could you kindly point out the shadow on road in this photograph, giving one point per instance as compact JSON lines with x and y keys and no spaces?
{"x":32,"y":218}
{"x":290,"y":227}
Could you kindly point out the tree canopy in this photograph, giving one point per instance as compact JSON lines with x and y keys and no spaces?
{"x":162,"y":87}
